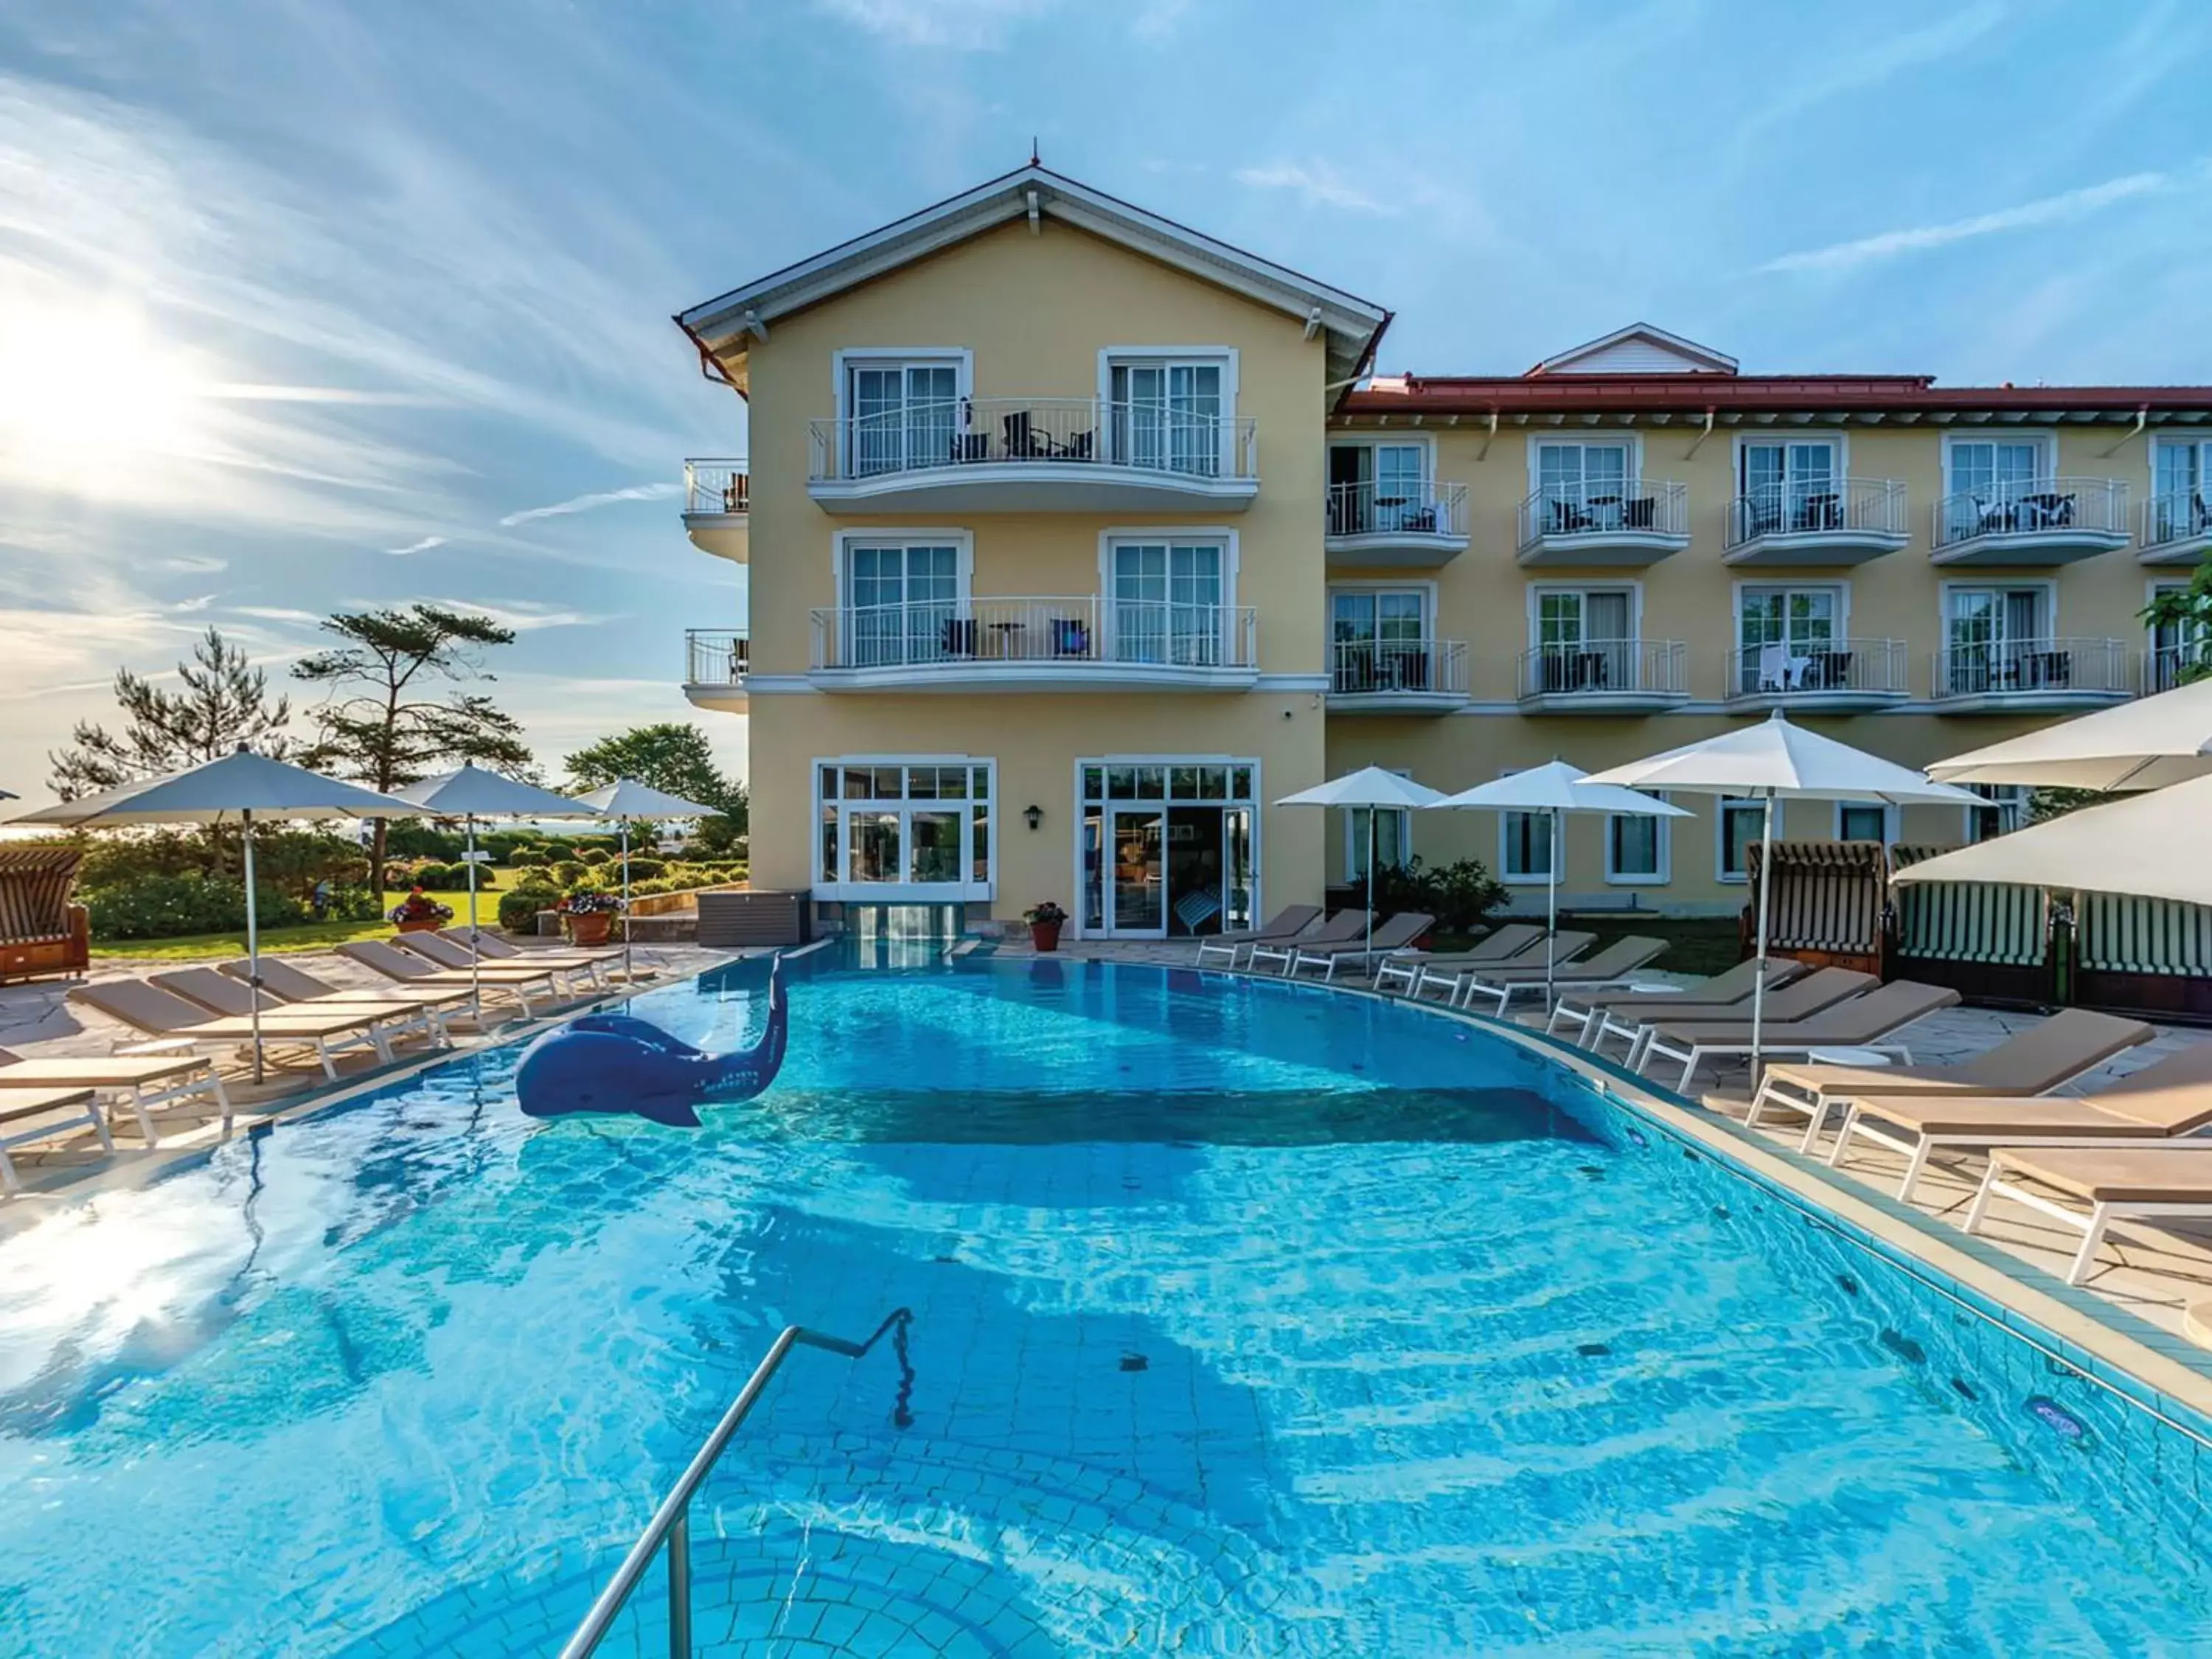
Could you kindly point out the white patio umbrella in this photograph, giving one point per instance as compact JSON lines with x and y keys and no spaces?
{"x":626,"y":798}
{"x":1376,"y":789}
{"x":1556,"y":789}
{"x":2146,"y":744}
{"x":1775,"y":761}
{"x":236,"y":789}
{"x":2149,"y":846}
{"x":470,"y":793}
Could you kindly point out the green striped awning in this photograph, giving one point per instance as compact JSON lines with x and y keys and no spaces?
{"x":1969,"y":920}
{"x":2118,"y":935}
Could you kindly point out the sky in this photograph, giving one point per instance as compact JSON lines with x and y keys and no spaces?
{"x":308,"y":306}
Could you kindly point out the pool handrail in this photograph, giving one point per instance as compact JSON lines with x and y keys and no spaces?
{"x":672,"y":1523}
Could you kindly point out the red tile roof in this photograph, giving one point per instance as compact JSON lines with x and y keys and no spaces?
{"x":1693,"y":394}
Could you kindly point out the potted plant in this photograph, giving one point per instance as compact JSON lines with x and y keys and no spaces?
{"x":418,"y":912}
{"x":588,"y":917}
{"x":1045,"y":922}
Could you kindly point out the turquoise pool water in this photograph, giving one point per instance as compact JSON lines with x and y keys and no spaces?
{"x":1247,"y":1320}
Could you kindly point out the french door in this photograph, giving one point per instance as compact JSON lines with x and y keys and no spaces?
{"x":1168,"y":603}
{"x":1584,"y":485}
{"x":900,"y":417}
{"x":1376,"y":641}
{"x":1168,"y":416}
{"x":900,"y":604}
{"x":2181,"y":490}
{"x":1989,"y":632}
{"x":1586,"y":641}
{"x":1789,"y":487}
{"x":1986,"y":478}
{"x":1778,"y":630}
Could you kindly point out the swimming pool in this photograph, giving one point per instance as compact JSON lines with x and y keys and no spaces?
{"x":1248,"y":1319}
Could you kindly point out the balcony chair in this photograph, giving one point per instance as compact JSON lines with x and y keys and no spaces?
{"x":1079,"y":448}
{"x":1821,"y":511}
{"x":959,"y":637}
{"x":969,"y":448}
{"x":1069,"y":637}
{"x":1570,"y":519}
{"x":1022,"y":443}
{"x":1640,"y":512}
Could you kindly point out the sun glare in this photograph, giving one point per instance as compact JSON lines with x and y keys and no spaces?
{"x":80,"y":384}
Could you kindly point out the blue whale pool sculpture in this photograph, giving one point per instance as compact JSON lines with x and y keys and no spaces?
{"x":616,"y":1063}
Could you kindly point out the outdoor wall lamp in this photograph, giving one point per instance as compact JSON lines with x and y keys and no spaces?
{"x":1033,"y":816}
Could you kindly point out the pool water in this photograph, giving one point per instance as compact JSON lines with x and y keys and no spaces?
{"x":1247,"y":1320}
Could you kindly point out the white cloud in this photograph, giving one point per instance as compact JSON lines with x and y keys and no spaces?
{"x":647,"y":492}
{"x":421,"y":546}
{"x":1888,"y":56}
{"x":192,"y":564}
{"x":2045,"y":210}
{"x":199,"y":602}
{"x":526,"y":616}
{"x":967,"y":25}
{"x":1320,"y":183}
{"x":278,"y":613}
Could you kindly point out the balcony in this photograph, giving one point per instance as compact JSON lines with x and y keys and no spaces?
{"x":715,"y":661}
{"x":1076,"y":642}
{"x":1397,"y":676}
{"x":1830,"y":677}
{"x":1034,"y":455}
{"x":1620,"y":522}
{"x":2035,"y":521}
{"x":1816,"y":521}
{"x":2031,"y":676}
{"x":718,"y":506}
{"x":2177,"y":528}
{"x":1395,"y":526}
{"x":1604,"y":676}
{"x":2169,"y":667}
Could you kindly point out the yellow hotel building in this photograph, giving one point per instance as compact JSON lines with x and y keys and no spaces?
{"x":1077,"y":538}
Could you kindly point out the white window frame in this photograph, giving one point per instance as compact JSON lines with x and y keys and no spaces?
{"x":1224,"y":357}
{"x":2007,"y":798}
{"x":1077,"y":804}
{"x":846,"y":358}
{"x":1558,"y":438}
{"x":2198,"y":440}
{"x":2154,"y":589}
{"x":1889,"y":819}
{"x":1742,"y":590}
{"x":1995,"y":585}
{"x":1835,"y":437}
{"x":902,"y":892}
{"x":2046,"y":444}
{"x":1355,"y":843}
{"x":1631,"y":585}
{"x":1559,"y":839}
{"x":1664,"y":846}
{"x":1723,"y":806}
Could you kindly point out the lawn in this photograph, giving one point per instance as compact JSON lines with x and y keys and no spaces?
{"x":1696,"y":945}
{"x":314,"y":936}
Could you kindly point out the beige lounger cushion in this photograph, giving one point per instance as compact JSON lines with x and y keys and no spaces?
{"x":1857,"y":1019}
{"x":295,"y":985}
{"x":85,"y":1072}
{"x":2030,"y":1062}
{"x":1621,"y":958}
{"x":2133,"y":1175}
{"x":1723,"y":990}
{"x":1568,"y":944}
{"x":1799,"y":1000}
{"x":19,"y":1104}
{"x":2171,"y":1097}
{"x":164,"y":1014}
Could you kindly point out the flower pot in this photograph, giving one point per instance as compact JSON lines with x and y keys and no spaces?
{"x":1044,"y":935}
{"x":591,"y":927}
{"x":426,"y":925}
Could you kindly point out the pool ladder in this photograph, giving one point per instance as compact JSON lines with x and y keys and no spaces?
{"x":670,"y":1526}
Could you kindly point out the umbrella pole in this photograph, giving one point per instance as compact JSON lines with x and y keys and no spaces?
{"x":476,"y":956}
{"x":625,"y":833}
{"x":1551,"y":910}
{"x":1759,"y":984}
{"x":1370,"y":889}
{"x":253,"y":941}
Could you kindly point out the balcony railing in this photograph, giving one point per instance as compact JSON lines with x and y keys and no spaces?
{"x":2029,"y":668}
{"x":1055,"y":631}
{"x":716,"y":656}
{"x":1605,"y":668}
{"x":1150,"y":437}
{"x":1425,"y":508}
{"x":1812,"y":506}
{"x":2057,"y":509}
{"x":1819,"y":668}
{"x":2170,"y":666}
{"x":717,"y":486}
{"x":1631,"y":507}
{"x":2180,"y":515}
{"x":1359,"y":667}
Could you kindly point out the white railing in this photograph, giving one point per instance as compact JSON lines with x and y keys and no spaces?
{"x":717,"y":486}
{"x":2032,"y":665}
{"x":2170,"y":666}
{"x":1425,"y":508}
{"x":1808,"y":506}
{"x":716,"y":656}
{"x":2051,"y":507}
{"x":1601,"y":668}
{"x":1063,"y":631}
{"x":1148,"y":437}
{"x":2176,"y":516}
{"x":1619,"y":506}
{"x":1360,"y":666}
{"x":1811,"y":667}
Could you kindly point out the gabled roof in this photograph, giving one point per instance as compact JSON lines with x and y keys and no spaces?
{"x":1637,"y":348}
{"x":722,"y":327}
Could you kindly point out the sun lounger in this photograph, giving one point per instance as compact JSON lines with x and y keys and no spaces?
{"x":2169,"y":1098}
{"x":1800,"y":998}
{"x":441,"y":953}
{"x":1513,"y":939}
{"x":1344,"y":924}
{"x":1394,"y":934}
{"x":2030,"y":1062}
{"x":145,"y":1082}
{"x":226,"y":995}
{"x":2120,"y":1183}
{"x":1731,"y":988}
{"x":29,"y":1115}
{"x":492,"y":948}
{"x":283,"y":978}
{"x":1286,"y":923}
{"x":1614,"y":965}
{"x":408,"y":969}
{"x":164,"y":1014}
{"x":1860,"y":1022}
{"x":1452,"y":976}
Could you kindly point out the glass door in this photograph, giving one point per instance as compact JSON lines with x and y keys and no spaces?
{"x":1987,"y":481}
{"x":1784,"y":633}
{"x":1401,"y":490}
{"x":1166,"y":416}
{"x":1236,"y":914}
{"x":1789,"y":487}
{"x":900,"y":416}
{"x":1168,"y":603}
{"x":1140,"y":873}
{"x":2181,"y":491}
{"x":902,"y":604}
{"x":1583,"y":486}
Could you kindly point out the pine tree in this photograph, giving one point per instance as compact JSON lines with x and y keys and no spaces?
{"x":223,"y":703}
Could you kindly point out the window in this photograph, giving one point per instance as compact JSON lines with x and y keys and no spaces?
{"x":1394,"y":840}
{"x":1586,"y":640}
{"x":900,"y":415}
{"x":1986,"y":478}
{"x":1378,"y":639}
{"x":901,"y":602}
{"x":1168,"y":414}
{"x":1583,"y":487}
{"x":1787,"y":638}
{"x":1379,"y":487}
{"x":2181,"y":488}
{"x":1791,"y":487}
{"x":1863,"y":821}
{"x":1169,"y":601}
{"x":1637,"y":848}
{"x":1996,"y":638}
{"x":2006,"y":810}
{"x":1741,"y":824}
{"x":2175,"y":647}
{"x":896,"y":824}
{"x":1525,"y":844}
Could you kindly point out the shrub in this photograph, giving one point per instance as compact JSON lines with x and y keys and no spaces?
{"x":593,"y":855}
{"x":519,"y":907}
{"x":555,"y":850}
{"x":651,"y":885}
{"x":567,"y":873}
{"x":1459,"y":896}
{"x":354,"y":904}
{"x":410,"y":838}
{"x":534,"y":875}
{"x":642,"y":869}
{"x":169,"y":907}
